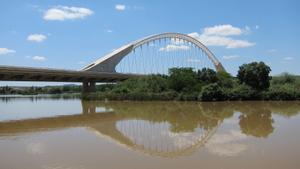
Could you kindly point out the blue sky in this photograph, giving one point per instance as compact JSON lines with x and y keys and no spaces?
{"x":71,"y":34}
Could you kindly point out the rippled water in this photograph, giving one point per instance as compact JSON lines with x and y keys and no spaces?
{"x":73,"y":134}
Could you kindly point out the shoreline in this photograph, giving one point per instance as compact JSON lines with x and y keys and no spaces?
{"x":94,"y":97}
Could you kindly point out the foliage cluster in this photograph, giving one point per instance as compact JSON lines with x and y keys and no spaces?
{"x":253,"y":82}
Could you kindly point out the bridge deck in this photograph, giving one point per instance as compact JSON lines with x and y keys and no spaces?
{"x":13,"y":73}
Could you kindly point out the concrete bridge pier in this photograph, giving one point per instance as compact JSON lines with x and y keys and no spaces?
{"x":88,"y":87}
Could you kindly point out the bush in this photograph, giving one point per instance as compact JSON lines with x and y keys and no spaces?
{"x":211,"y":92}
{"x":105,"y":87}
{"x":243,"y":92}
{"x":187,"y":96}
{"x":283,"y":79}
{"x":55,"y":90}
{"x":282,"y":92}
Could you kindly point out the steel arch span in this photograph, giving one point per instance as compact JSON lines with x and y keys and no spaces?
{"x":109,"y":62}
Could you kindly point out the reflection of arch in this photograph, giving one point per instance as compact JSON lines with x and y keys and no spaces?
{"x":207,"y":116}
{"x":102,"y":123}
{"x":187,"y":149}
{"x":110,"y":61}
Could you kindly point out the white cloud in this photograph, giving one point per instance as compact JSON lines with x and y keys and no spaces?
{"x":224,"y":30}
{"x":64,"y":12}
{"x":288,"y":58}
{"x":38,"y":58}
{"x":120,"y":7}
{"x":4,"y":51}
{"x":215,"y":40}
{"x":109,"y":31}
{"x":171,"y":47}
{"x":228,"y":57}
{"x":36,"y":37}
{"x":218,"y":35}
{"x":227,"y":144}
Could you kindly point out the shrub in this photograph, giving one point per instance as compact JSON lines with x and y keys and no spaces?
{"x":55,"y":90}
{"x":283,"y":79}
{"x":282,"y":92}
{"x":211,"y":92}
{"x":243,"y":92}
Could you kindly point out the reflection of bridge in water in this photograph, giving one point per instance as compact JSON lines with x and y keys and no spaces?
{"x":166,"y":129}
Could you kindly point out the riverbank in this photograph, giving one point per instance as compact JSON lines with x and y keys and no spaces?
{"x":252,"y":82}
{"x":173,"y":96}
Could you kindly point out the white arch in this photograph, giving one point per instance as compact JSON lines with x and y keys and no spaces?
{"x":110,"y":61}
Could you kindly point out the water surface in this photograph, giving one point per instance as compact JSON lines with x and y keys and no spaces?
{"x":44,"y":133}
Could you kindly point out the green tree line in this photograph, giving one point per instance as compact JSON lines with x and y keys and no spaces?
{"x":253,"y":82}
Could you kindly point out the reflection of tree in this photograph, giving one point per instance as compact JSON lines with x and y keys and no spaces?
{"x":257,"y":123}
{"x":285,"y":108}
{"x":256,"y":118}
{"x":183,"y":117}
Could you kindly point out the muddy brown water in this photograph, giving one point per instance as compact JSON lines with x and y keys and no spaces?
{"x":44,"y":133}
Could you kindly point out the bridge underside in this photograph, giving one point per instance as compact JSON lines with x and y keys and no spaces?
{"x":88,"y":78}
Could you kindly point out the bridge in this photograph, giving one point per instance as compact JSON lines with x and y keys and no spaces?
{"x":151,"y":55}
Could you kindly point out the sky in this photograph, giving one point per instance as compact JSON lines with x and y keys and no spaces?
{"x":69,"y":34}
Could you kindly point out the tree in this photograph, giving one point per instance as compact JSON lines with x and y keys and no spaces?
{"x":255,"y":74}
{"x":156,"y":83}
{"x":182,"y":79}
{"x":225,"y":79}
{"x":207,"y":76}
{"x":147,"y":84}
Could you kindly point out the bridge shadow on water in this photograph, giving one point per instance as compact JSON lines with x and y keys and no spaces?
{"x":166,"y":129}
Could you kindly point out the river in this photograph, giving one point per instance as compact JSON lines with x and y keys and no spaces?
{"x":55,"y":133}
